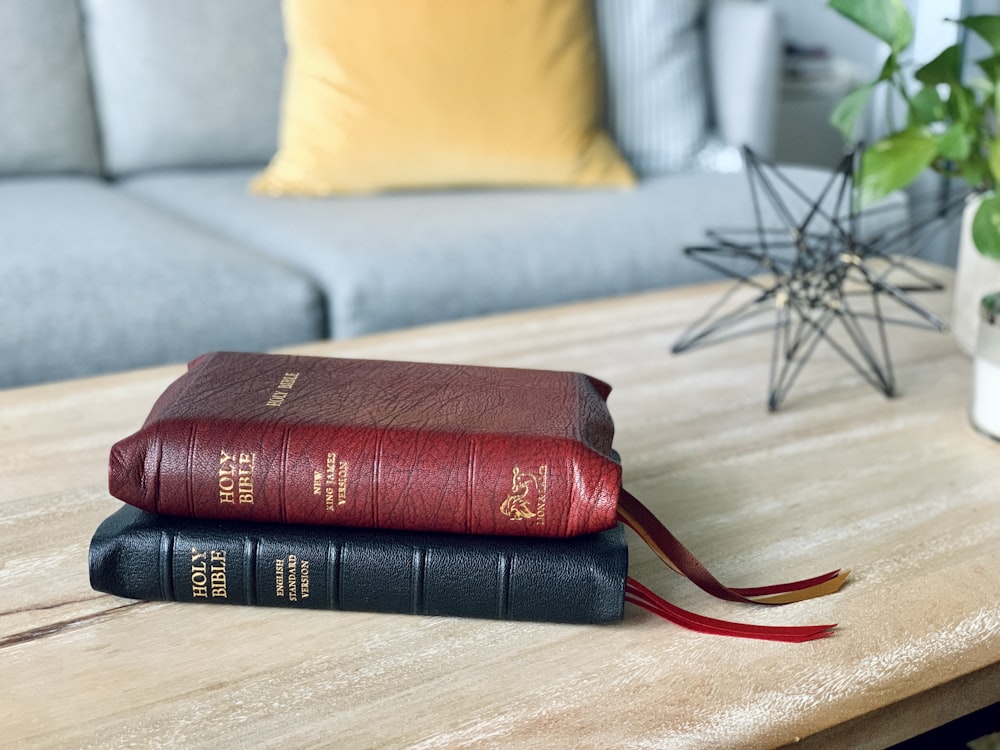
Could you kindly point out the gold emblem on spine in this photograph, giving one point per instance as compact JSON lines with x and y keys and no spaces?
{"x":526,"y":501}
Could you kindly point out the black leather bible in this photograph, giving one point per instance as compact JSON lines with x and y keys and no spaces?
{"x":140,"y":555}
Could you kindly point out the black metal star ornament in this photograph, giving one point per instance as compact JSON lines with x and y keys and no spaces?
{"x":812,"y":273}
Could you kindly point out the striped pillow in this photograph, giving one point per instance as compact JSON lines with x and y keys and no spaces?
{"x":657,"y":105}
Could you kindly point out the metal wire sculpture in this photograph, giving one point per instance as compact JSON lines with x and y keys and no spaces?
{"x":810,"y":273}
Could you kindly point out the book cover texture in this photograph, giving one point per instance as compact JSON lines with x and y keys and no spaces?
{"x":394,"y":445}
{"x":141,"y":555}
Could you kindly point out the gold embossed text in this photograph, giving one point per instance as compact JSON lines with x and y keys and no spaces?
{"x":208,"y":574}
{"x":236,"y":477}
{"x":332,"y":482}
{"x":285,"y":385}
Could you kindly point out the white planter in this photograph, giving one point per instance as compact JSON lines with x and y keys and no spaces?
{"x":975,"y":276}
{"x":985,"y":411}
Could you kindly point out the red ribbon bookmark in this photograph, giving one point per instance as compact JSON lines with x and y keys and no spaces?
{"x":641,"y":520}
{"x":638,"y":594}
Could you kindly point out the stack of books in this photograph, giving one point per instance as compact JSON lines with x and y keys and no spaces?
{"x":345,"y":484}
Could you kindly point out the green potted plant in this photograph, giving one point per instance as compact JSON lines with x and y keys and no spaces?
{"x":950,"y":126}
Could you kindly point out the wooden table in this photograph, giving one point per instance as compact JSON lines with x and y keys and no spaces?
{"x":901,"y":490}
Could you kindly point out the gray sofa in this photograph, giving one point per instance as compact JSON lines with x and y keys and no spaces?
{"x":130,"y":130}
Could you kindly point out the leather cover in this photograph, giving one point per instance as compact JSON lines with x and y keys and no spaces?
{"x":140,"y":555}
{"x":394,"y":445}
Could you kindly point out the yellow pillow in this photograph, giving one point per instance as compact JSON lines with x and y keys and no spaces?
{"x":396,"y":94}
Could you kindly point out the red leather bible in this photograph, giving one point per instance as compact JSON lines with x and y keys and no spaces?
{"x":390,"y":445}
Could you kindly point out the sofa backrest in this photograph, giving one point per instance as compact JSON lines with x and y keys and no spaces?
{"x":47,"y":121}
{"x":183,"y":83}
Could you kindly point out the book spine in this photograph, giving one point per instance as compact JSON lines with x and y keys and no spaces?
{"x":357,"y":476}
{"x":139,"y":555}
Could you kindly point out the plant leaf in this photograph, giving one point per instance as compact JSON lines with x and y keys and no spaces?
{"x":988,"y":27}
{"x":991,"y":67}
{"x":945,"y":68}
{"x":962,"y":104}
{"x":889,"y":68}
{"x":895,"y":162}
{"x":847,"y":112}
{"x":994,"y":159}
{"x":926,"y":106}
{"x":975,"y":171}
{"x":986,"y":226}
{"x":888,"y":20}
{"x":954,"y":144}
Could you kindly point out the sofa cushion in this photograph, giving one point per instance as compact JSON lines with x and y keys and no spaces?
{"x":46,"y":114}
{"x":92,"y":280}
{"x":185,"y":82}
{"x":654,"y":61}
{"x":383,"y":94}
{"x":402,"y":259}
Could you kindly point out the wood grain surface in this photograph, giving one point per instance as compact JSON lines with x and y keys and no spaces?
{"x":902,"y":490}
